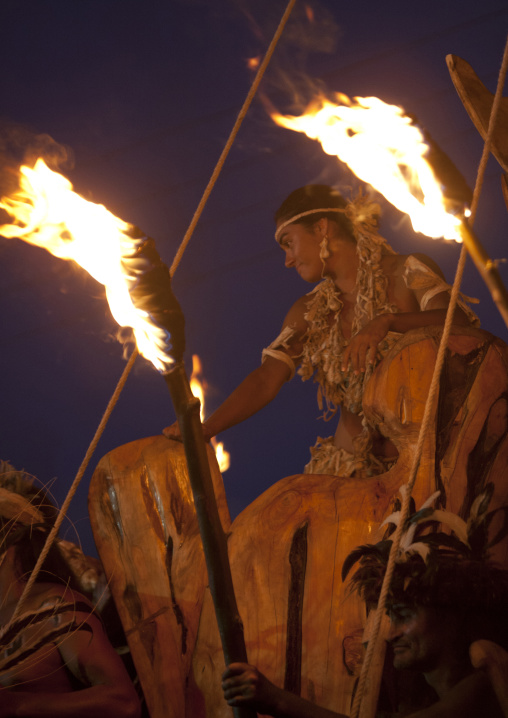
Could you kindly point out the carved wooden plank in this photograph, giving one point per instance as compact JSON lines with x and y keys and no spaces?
{"x":339,"y":514}
{"x":145,"y":528}
{"x":470,"y":431}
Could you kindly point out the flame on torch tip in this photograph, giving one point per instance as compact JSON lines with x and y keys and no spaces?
{"x":47,"y":213}
{"x":198,"y":387}
{"x":384,"y":148}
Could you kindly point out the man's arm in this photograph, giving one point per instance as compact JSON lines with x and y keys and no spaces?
{"x":472,"y":697}
{"x":362,"y":348}
{"x":257,"y":390}
{"x":244,"y":685}
{"x":492,"y":659}
{"x":90,"y":657}
{"x":259,"y":387}
{"x":413,"y":278}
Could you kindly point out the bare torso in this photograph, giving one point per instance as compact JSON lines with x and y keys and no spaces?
{"x":350,"y":425}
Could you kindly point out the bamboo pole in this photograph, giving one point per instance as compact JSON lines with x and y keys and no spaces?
{"x":212,"y":535}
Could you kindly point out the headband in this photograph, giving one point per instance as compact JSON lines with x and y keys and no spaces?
{"x":304,"y":214}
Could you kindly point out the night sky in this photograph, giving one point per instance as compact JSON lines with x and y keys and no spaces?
{"x":143,"y":95}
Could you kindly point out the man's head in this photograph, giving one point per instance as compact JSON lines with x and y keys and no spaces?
{"x":444,"y":589}
{"x":422,"y":638}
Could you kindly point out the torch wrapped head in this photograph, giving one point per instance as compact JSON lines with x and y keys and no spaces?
{"x":150,"y":291}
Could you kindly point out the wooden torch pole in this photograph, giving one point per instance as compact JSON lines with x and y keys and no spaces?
{"x":487,"y":268}
{"x":212,"y":535}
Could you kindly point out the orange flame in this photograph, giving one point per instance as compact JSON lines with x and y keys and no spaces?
{"x":198,"y":388}
{"x":383,"y":147}
{"x":47,"y":213}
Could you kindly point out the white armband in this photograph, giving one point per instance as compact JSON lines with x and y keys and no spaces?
{"x":282,"y":356}
{"x":282,"y":341}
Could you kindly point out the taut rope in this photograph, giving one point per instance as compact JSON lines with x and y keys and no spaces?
{"x":427,"y":417}
{"x":70,"y":494}
{"x":232,"y":136}
{"x":121,"y":383}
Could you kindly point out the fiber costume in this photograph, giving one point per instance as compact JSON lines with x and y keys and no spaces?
{"x":324,"y":343}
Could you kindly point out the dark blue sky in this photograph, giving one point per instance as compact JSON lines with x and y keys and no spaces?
{"x":144,"y":94}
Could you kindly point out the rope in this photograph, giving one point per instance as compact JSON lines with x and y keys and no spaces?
{"x":121,"y":383}
{"x":426,"y":421}
{"x":73,"y":488}
{"x":433,"y":391}
{"x":232,"y":136}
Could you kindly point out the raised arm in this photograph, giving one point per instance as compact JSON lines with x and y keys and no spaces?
{"x":262,"y":385}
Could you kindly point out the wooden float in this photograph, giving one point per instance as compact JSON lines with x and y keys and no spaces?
{"x":302,"y":626}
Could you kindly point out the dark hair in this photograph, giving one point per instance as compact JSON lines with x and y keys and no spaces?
{"x":315,"y":196}
{"x":446,"y":579}
{"x":475,"y":592}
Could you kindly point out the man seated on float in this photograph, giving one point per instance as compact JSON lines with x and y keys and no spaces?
{"x":55,"y":660}
{"x":366,"y":296}
{"x":439,"y":607}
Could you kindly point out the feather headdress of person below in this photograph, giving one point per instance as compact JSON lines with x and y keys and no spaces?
{"x":24,"y":507}
{"x":435,"y":566}
{"x":27,"y":516}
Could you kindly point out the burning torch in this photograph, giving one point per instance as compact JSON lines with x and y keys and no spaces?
{"x":46,"y":212}
{"x":385,"y":148}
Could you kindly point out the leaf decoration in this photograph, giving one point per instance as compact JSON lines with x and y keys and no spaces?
{"x":420,"y":548}
{"x":481,"y":503}
{"x":379,"y":550}
{"x":454,"y":522}
{"x":441,"y":558}
{"x":444,"y":541}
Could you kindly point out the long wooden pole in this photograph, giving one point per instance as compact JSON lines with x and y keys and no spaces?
{"x":487,"y":268}
{"x":212,"y":535}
